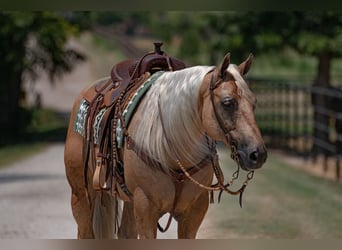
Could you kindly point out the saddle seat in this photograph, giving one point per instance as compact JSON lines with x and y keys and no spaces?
{"x":131,"y":71}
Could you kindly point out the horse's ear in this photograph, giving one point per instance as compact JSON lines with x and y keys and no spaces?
{"x":245,"y":66}
{"x":222,"y":68}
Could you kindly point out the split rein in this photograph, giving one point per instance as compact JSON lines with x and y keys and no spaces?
{"x":220,"y":186}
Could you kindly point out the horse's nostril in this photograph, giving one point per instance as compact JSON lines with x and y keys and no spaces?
{"x":254,"y":156}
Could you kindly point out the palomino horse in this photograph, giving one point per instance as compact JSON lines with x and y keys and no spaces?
{"x":176,"y":125}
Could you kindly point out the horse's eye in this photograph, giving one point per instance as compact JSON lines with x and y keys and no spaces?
{"x":229,"y":103}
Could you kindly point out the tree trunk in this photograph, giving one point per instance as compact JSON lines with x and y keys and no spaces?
{"x":319,"y":100}
{"x":10,"y":116}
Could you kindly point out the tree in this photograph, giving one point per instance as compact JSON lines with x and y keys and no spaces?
{"x":317,"y":34}
{"x":29,"y":43}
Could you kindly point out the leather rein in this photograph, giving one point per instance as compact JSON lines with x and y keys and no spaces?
{"x":220,"y":186}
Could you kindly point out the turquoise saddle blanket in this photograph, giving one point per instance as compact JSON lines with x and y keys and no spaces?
{"x":80,"y":119}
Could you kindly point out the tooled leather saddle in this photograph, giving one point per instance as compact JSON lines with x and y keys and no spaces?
{"x":126,"y":72}
{"x":111,"y":94}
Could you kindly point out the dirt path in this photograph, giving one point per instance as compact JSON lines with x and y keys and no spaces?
{"x":34,"y":198}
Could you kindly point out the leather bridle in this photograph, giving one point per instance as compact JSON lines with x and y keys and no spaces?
{"x":220,"y":186}
{"x":225,"y":130}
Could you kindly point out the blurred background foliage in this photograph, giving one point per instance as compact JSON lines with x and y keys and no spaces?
{"x":203,"y":37}
{"x":285,"y":44}
{"x":30,"y":42}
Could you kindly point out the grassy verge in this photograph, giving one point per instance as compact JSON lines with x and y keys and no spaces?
{"x":280,"y":202}
{"x":284,"y":65}
{"x":13,"y":153}
{"x":46,"y":126}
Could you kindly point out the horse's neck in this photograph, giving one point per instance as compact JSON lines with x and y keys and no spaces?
{"x":170,"y":125}
{"x":181,"y":119}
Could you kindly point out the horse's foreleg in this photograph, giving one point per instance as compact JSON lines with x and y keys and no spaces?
{"x":146,"y":215}
{"x":128,"y":228}
{"x":190,"y":221}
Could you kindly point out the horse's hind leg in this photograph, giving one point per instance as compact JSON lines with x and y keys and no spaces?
{"x":83,"y":214}
{"x":81,"y":209}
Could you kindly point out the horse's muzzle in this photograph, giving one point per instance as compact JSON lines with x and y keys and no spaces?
{"x":252,"y":158}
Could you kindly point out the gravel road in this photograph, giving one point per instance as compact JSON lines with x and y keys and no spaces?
{"x":35,"y":199}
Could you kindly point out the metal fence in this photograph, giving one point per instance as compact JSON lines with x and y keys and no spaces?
{"x":301,"y":119}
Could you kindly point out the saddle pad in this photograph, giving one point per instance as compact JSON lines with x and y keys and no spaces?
{"x":133,"y":103}
{"x":80,"y":119}
{"x":79,"y":123}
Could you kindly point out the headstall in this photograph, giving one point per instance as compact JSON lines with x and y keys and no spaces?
{"x":220,"y":186}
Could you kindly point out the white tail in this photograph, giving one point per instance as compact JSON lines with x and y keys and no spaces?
{"x":107,"y":216}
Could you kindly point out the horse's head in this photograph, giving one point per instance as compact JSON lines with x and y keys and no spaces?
{"x":228,"y":112}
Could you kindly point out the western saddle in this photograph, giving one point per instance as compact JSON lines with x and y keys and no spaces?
{"x":113,"y":94}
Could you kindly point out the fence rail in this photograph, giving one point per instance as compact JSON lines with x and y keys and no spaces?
{"x":301,"y":119}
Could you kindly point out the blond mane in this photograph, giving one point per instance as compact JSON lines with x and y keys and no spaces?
{"x":179,"y":135}
{"x":176,"y":94}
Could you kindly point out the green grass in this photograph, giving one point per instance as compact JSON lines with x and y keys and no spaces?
{"x":46,"y":126}
{"x":290,"y":65}
{"x":280,"y":202}
{"x":103,"y":46}
{"x":284,"y":65}
{"x":101,"y":53}
{"x":13,"y":153}
{"x":45,"y":120}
